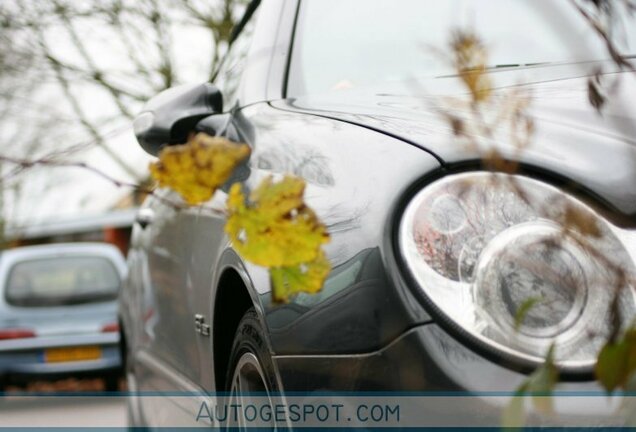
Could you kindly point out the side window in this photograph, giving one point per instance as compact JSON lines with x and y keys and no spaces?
{"x":229,"y":76}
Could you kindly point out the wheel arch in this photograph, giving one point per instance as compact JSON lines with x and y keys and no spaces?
{"x":233,"y":296}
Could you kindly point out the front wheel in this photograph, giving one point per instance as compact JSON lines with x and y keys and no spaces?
{"x":251,"y":379}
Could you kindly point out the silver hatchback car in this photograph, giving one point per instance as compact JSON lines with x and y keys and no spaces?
{"x":58,"y":312}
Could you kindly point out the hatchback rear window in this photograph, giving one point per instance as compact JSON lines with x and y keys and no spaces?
{"x":61,"y":281}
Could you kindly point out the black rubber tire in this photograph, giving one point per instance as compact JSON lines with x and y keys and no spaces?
{"x":111,"y":382}
{"x":250,"y":337}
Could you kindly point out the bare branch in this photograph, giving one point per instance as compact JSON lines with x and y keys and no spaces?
{"x":96,"y":74}
{"x":622,"y":61}
{"x":79,"y":112}
{"x":27,"y":163}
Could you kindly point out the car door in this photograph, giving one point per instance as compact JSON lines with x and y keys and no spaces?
{"x":167,"y":358}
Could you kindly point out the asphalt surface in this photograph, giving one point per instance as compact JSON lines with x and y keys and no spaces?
{"x":66,"y":411}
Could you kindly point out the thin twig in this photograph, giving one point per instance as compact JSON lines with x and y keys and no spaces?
{"x":28,"y":163}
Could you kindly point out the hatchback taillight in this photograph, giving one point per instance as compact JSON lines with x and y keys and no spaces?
{"x":16,"y":334}
{"x":110,"y":328}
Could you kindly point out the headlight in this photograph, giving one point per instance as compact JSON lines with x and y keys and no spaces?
{"x":480,"y":245}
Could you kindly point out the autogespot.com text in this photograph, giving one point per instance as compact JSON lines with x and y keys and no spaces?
{"x":261,"y":414}
{"x":369,"y":410}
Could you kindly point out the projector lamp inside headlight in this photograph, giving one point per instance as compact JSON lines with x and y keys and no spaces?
{"x":485,"y":247}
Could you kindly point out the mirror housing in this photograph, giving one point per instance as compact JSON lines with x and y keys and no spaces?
{"x":170,"y":117}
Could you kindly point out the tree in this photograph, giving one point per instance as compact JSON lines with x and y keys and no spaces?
{"x":73,"y":73}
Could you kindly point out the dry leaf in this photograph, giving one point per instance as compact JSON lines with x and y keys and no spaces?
{"x":275,"y":228}
{"x":196,"y":169}
{"x":308,"y":278}
{"x":470,"y":59}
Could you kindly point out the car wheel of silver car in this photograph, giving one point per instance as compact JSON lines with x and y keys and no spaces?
{"x":111,"y":382}
{"x":250,"y":379}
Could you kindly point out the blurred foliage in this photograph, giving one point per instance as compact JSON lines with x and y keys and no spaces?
{"x":469,"y":60}
{"x":538,"y":386}
{"x":274,"y":228}
{"x":616,"y":366}
{"x":616,"y":362}
{"x":523,"y":310}
{"x":307,"y":277}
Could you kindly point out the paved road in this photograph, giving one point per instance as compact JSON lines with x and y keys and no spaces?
{"x":69,"y":411}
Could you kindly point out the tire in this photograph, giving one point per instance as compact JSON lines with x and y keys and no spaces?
{"x":251,"y":363}
{"x":111,"y":382}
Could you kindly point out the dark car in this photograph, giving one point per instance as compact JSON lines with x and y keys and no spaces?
{"x":424,"y":291}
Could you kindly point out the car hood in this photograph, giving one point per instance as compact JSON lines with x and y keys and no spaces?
{"x":571,"y":139}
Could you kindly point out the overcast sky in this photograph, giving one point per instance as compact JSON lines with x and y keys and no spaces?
{"x":43,"y":123}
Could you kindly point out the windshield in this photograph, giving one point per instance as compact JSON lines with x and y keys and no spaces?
{"x":62,"y":281}
{"x":343,"y":44}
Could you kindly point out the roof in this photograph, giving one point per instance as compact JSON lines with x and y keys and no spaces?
{"x":84,"y":224}
{"x":24,"y":253}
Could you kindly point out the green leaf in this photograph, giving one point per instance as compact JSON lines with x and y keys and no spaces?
{"x":616,"y":363}
{"x":307,"y":277}
{"x":540,"y":385}
{"x":514,"y":414}
{"x":611,"y":366}
{"x":523,"y":310}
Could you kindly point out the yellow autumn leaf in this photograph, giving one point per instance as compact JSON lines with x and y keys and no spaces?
{"x":275,"y":228}
{"x":308,"y":277}
{"x":196,"y":169}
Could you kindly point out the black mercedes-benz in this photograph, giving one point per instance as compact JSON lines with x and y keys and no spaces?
{"x":452,"y":269}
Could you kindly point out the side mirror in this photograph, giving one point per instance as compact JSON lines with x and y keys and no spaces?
{"x":169,"y":117}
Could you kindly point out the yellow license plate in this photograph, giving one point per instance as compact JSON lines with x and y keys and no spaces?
{"x":70,"y":354}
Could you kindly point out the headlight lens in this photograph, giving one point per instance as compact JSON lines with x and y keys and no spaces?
{"x":481,"y":245}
